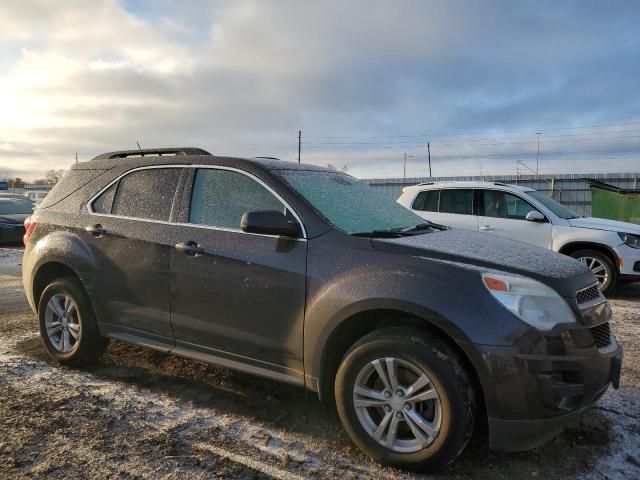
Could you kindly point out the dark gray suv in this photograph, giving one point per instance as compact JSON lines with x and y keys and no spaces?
{"x":415,"y":332}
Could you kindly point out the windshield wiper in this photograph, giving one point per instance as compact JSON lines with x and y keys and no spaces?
{"x":419,"y":229}
{"x":391,"y":233}
{"x":426,"y":226}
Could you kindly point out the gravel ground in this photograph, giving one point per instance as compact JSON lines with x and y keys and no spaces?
{"x":142,"y":414}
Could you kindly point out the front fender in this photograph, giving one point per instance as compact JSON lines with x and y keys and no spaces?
{"x":446,"y":296}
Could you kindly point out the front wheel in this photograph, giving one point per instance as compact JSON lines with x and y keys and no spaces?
{"x":405,"y":399}
{"x":601,"y":266}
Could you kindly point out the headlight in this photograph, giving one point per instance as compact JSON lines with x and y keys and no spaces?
{"x":531,"y":301}
{"x":632,"y":240}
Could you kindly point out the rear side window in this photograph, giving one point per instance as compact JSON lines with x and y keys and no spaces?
{"x":458,"y":201}
{"x":146,"y":194}
{"x":221,"y":197}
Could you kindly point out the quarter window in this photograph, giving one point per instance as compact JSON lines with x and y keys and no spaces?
{"x":504,"y":205}
{"x":221,"y":197}
{"x":146,"y":194}
{"x":456,"y":200}
{"x":104,"y":202}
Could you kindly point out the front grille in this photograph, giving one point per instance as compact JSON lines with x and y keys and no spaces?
{"x":587,"y":294}
{"x":601,"y":335}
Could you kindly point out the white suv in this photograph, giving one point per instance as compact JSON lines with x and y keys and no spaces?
{"x":610,"y":248}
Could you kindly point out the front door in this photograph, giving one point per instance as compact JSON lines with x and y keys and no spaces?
{"x":238,"y":295}
{"x":504,"y":214}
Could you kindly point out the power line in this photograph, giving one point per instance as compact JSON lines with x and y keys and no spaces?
{"x":442,"y":134}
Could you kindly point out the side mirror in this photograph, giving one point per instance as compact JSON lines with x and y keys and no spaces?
{"x":269,"y":222}
{"x":535,"y":216}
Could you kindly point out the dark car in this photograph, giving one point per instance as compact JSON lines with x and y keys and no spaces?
{"x":415,"y":332}
{"x":13,"y":213}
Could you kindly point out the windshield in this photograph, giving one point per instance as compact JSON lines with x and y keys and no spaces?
{"x":557,"y":208}
{"x":349,"y":205}
{"x":13,"y":207}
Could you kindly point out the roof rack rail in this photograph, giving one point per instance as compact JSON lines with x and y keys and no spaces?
{"x":268,"y":158}
{"x":152,"y":152}
{"x":426,"y":183}
{"x":501,"y":184}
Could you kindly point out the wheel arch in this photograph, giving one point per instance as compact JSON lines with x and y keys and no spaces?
{"x":47,"y":273}
{"x":571,"y":247}
{"x":357,"y":325}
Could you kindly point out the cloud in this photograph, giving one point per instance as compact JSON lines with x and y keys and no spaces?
{"x":241,"y":78}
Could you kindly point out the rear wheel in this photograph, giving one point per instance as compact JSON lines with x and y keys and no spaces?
{"x":601,"y":266}
{"x":67,"y":325}
{"x":405,"y":399}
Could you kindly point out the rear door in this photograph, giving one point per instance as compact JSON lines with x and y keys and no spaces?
{"x":242,"y":297}
{"x":504,"y":214}
{"x":131,"y":237}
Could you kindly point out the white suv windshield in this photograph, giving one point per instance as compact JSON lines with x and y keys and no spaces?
{"x":557,"y":208}
{"x":348,"y":204}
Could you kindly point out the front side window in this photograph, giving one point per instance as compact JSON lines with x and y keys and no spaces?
{"x":426,"y":201}
{"x":456,"y":200}
{"x":504,"y":205}
{"x":146,"y":194}
{"x":221,"y":197}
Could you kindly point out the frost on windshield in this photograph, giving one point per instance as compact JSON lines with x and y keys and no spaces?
{"x":348,"y":204}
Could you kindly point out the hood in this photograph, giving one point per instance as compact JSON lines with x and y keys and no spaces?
{"x":562,"y":273}
{"x":605,"y":224}
{"x":14,"y":218}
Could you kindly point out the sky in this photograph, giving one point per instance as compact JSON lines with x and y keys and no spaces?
{"x":366,"y":81}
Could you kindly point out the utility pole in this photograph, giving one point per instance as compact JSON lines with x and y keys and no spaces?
{"x":429,"y":156}
{"x":299,"y":144}
{"x":538,"y":155}
{"x":404,"y":167}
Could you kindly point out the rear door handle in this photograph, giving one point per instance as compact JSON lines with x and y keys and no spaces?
{"x":189,"y":248}
{"x":96,"y":230}
{"x":486,"y":228}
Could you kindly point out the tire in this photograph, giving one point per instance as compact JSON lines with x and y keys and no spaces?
{"x":597,"y":259}
{"x":452,"y":412}
{"x":75,"y":339}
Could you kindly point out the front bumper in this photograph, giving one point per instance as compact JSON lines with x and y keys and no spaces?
{"x":536,"y":387}
{"x":628,"y":260}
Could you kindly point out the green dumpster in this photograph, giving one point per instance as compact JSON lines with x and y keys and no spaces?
{"x":615,"y":203}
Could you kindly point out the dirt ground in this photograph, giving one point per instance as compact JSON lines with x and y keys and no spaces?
{"x":142,"y":414}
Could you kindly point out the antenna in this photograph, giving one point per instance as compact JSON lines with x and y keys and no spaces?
{"x":139,"y":147}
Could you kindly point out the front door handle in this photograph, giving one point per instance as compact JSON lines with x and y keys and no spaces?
{"x":486,"y":228}
{"x":96,"y":230}
{"x":189,"y":248}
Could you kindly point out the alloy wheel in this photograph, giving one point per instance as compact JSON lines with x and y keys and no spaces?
{"x":62,"y":321}
{"x":397,"y":405}
{"x":598,"y":268}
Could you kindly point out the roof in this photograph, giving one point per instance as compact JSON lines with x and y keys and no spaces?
{"x":433,"y":185}
{"x":186,"y":156}
{"x":609,"y":187}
